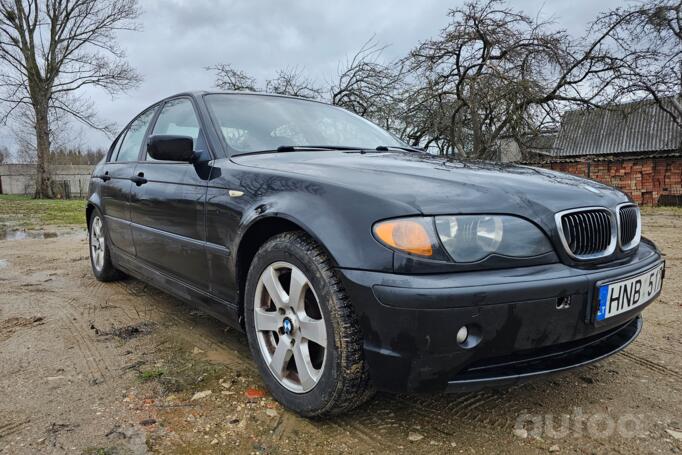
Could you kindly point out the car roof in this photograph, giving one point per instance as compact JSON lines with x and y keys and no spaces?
{"x":201,"y":93}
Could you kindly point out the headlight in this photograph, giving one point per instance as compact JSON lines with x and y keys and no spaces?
{"x":470,"y":238}
{"x":465,"y":238}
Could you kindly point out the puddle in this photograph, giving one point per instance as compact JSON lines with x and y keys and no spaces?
{"x":3,"y":264}
{"x":24,"y":234}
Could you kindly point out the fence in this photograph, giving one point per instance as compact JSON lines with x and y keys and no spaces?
{"x":71,"y":180}
{"x":648,"y":180}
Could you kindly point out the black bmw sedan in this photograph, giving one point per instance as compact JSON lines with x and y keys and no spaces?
{"x":354,"y":262}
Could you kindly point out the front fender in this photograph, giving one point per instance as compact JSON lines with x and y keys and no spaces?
{"x":343,"y":229}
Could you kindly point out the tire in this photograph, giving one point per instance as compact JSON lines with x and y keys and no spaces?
{"x":100,"y":257}
{"x":340,"y":376}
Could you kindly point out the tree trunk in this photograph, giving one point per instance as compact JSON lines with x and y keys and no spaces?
{"x":477,"y":146}
{"x":451,"y":133}
{"x":43,"y":177}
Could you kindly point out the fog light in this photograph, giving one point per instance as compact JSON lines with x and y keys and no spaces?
{"x":462,"y":334}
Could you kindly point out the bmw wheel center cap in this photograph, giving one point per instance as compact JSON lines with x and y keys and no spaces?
{"x":287,"y":326}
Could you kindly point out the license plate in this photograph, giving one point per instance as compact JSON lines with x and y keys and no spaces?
{"x":621,"y":296}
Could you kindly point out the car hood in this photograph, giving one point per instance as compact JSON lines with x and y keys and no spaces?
{"x":433,"y":185}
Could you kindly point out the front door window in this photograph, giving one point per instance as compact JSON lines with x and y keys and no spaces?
{"x":178,"y":118}
{"x":133,"y":137}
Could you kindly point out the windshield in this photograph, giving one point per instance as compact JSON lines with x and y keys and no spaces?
{"x":254,"y":123}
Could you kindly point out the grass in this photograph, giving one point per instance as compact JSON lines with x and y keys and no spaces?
{"x":26,"y":212}
{"x":101,"y":451}
{"x":150,"y":375}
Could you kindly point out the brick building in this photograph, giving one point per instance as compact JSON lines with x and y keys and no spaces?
{"x":636,"y":147}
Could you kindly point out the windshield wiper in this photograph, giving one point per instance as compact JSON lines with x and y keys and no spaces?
{"x":307,"y":148}
{"x":316,"y":148}
{"x":386,"y":148}
{"x":300,"y":148}
{"x":381,"y":148}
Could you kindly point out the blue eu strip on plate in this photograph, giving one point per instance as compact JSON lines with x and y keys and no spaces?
{"x":603,"y":298}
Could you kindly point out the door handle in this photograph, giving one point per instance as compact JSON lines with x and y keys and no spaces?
{"x":139,"y":179}
{"x":106,"y":177}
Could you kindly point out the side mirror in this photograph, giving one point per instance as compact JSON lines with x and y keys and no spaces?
{"x":167,"y":147}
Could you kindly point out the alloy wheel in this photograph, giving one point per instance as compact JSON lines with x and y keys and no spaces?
{"x":97,"y":244}
{"x":290,"y":327}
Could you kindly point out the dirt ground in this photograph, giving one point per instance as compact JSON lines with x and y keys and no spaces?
{"x":87,"y":367}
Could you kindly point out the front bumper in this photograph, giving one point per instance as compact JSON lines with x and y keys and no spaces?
{"x":522,"y":322}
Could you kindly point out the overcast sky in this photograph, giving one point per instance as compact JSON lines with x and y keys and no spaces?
{"x":179,"y":38}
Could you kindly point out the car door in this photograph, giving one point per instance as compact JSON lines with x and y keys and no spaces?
{"x":167,"y":201}
{"x":116,"y":181}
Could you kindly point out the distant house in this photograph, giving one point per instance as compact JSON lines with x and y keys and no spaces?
{"x":641,"y":128}
{"x":636,"y":147}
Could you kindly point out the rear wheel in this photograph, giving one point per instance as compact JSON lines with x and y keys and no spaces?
{"x":100,"y":258}
{"x":302,"y":330}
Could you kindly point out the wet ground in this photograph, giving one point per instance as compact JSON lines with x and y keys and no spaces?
{"x":87,"y":367}
{"x":22,"y":234}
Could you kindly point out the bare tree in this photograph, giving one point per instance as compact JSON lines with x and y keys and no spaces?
{"x":50,"y":51}
{"x":370,"y":87}
{"x":365,"y":84}
{"x":649,"y":47}
{"x":229,"y":78}
{"x":494,"y":72}
{"x":22,"y":128}
{"x":292,"y":82}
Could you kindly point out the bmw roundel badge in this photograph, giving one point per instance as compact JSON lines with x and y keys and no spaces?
{"x":287,"y":326}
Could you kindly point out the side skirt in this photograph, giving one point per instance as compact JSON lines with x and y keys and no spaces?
{"x":222,"y":310}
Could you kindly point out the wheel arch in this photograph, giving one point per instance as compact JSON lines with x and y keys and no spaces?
{"x":89,"y":210}
{"x":92,"y":204}
{"x":255,"y":236}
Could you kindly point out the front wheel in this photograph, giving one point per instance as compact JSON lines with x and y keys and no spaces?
{"x":302,"y":330}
